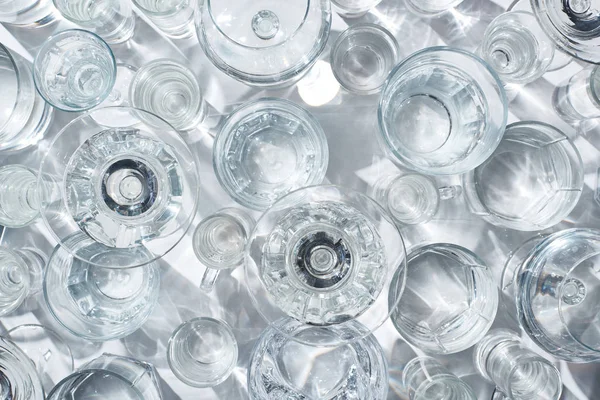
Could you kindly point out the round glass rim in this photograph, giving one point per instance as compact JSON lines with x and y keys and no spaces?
{"x":534,"y":358}
{"x":220,"y":266}
{"x":147,"y":68}
{"x":345,"y":9}
{"x":10,"y":57}
{"x":34,"y":173}
{"x":183,"y":4}
{"x":46,"y":45}
{"x":431,"y":14}
{"x":83,"y":372}
{"x":10,"y":347}
{"x":68,"y":16}
{"x":437,"y":49}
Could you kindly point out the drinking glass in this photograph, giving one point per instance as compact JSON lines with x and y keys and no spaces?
{"x":442,"y":111}
{"x":431,"y":8}
{"x":424,"y":378}
{"x":363,"y":56}
{"x":263,"y":43}
{"x":24,"y":115}
{"x":124,"y":178}
{"x":268,"y":148}
{"x":95,"y":303}
{"x":175,"y":18}
{"x":74,"y":70}
{"x":450,"y":299}
{"x":555,"y":285}
{"x":578,"y":98}
{"x":219,"y":242}
{"x":27,"y":13}
{"x":18,"y":378}
{"x":502,"y":359}
{"x":326,"y":256}
{"x":284,"y":366}
{"x":19,"y":200}
{"x":20,"y":277}
{"x":516,"y":47}
{"x":202,"y":352}
{"x":112,"y":20}
{"x":354,"y":8}
{"x":110,"y":377}
{"x":532,"y":181}
{"x":171,"y":91}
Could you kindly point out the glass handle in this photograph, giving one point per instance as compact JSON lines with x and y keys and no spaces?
{"x":209,"y":279}
{"x":450,"y":192}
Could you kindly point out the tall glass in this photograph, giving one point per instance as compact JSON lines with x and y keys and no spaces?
{"x":424,"y":378}
{"x":578,"y":98}
{"x":175,"y":18}
{"x":21,"y":274}
{"x":19,"y":198}
{"x":18,"y":377}
{"x":27,"y":13}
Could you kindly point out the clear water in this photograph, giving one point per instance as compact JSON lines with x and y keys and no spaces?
{"x":19,"y":202}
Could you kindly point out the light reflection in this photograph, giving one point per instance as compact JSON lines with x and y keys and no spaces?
{"x":319,"y":86}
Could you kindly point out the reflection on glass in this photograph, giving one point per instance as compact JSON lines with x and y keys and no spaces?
{"x":354,"y":8}
{"x":18,"y":377}
{"x":27,"y":13}
{"x":21,"y":274}
{"x":578,"y":98}
{"x":19,"y":199}
{"x":424,"y":378}
{"x":173,"y":17}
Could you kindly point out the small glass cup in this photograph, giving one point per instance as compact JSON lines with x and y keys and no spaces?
{"x":112,"y":20}
{"x":431,"y":8}
{"x":578,"y":98}
{"x":424,"y":378}
{"x":175,"y":18}
{"x":518,"y":49}
{"x":19,"y":199}
{"x":268,"y":148}
{"x":442,"y":111}
{"x":21,"y":274}
{"x":263,"y":43}
{"x":202,"y":352}
{"x":219,"y":242}
{"x":354,"y":8}
{"x":18,"y":377}
{"x":27,"y":13}
{"x":532,"y":181}
{"x":450,"y":299}
{"x":363,"y":56}
{"x":171,"y":91}
{"x":502,"y":359}
{"x":74,"y":70}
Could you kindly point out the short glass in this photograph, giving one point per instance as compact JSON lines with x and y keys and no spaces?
{"x":353,"y":8}
{"x":449,"y":302}
{"x":424,"y":378}
{"x":578,"y":98}
{"x":202,"y":352}
{"x":175,"y":18}
{"x":363,"y":56}
{"x":431,"y":8}
{"x":19,"y":200}
{"x":21,"y":273}
{"x":124,"y":178}
{"x":532,"y":181}
{"x":27,"y":13}
{"x":268,"y":148}
{"x":18,"y":377}
{"x":263,"y":43}
{"x":74,"y":70}
{"x":442,"y":111}
{"x":112,"y":20}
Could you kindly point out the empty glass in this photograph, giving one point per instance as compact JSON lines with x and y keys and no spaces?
{"x":171,"y":91}
{"x":431,"y":8}
{"x":219,"y":242}
{"x":113,"y":20}
{"x":74,"y":70}
{"x":578,"y":98}
{"x":424,"y":378}
{"x":18,"y":378}
{"x":363,"y":56}
{"x":263,"y":43}
{"x":442,"y":111}
{"x":202,"y":352}
{"x":284,"y":366}
{"x":531,"y":182}
{"x":175,"y":18}
{"x":450,"y":299}
{"x":502,"y":359}
{"x":515,"y":45}
{"x":21,"y":274}
{"x":27,"y":13}
{"x":353,"y":8}
{"x":268,"y":148}
{"x":19,"y":200}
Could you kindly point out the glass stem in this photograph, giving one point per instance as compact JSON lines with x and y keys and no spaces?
{"x":209,"y":279}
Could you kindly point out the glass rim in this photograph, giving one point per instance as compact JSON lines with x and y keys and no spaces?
{"x":183,"y":4}
{"x":337,"y":4}
{"x":83,"y":372}
{"x":535,"y":358}
{"x":15,"y":68}
{"x":34,"y":174}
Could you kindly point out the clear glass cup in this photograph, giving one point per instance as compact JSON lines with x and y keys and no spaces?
{"x":74,"y":70}
{"x":18,"y":377}
{"x":19,"y":199}
{"x":363,"y":56}
{"x":424,"y":378}
{"x":21,"y":274}
{"x":263,"y":43}
{"x":124,"y":178}
{"x":268,"y":148}
{"x":578,"y":98}
{"x":27,"y":13}
{"x":95,"y":303}
{"x":112,"y":20}
{"x":431,"y":8}
{"x":532,"y":181}
{"x":24,"y":115}
{"x":175,"y":18}
{"x":202,"y":352}
{"x":219,"y":242}
{"x":450,"y":299}
{"x":171,"y":91}
{"x":516,"y":47}
{"x":284,"y":366}
{"x":442,"y":111}
{"x":326,"y":256}
{"x":353,"y":8}
{"x":554,"y":282}
{"x":502,"y":359}
{"x":110,"y":377}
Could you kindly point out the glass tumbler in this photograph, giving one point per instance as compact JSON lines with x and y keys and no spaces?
{"x":578,"y":98}
{"x":74,"y":70}
{"x":442,"y":111}
{"x":450,"y":299}
{"x":175,"y":18}
{"x":532,"y":181}
{"x":268,"y":148}
{"x":19,"y":199}
{"x":202,"y":352}
{"x":21,"y":274}
{"x":112,"y":20}
{"x":27,"y":13}
{"x":424,"y":378}
{"x":18,"y":377}
{"x":354,"y":8}
{"x":363,"y":56}
{"x":284,"y":366}
{"x":431,"y":8}
{"x":263,"y":43}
